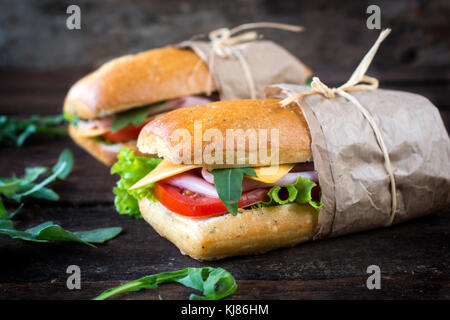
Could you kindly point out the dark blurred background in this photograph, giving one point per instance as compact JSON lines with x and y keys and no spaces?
{"x":33,"y":33}
{"x":38,"y":51}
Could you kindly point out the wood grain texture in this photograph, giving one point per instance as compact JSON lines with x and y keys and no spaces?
{"x":413,"y":257}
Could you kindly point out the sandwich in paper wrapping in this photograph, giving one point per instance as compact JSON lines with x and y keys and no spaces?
{"x":355,"y":186}
{"x":267,"y":62}
{"x":165,"y":79}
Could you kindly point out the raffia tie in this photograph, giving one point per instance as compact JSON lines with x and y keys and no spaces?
{"x":358,"y":81}
{"x":224,"y":39}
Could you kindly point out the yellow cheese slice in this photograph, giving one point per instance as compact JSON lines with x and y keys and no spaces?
{"x":272,"y":174}
{"x":167,"y":169}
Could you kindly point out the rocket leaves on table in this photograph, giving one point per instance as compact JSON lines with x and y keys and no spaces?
{"x":14,"y":131}
{"x":4,"y":214}
{"x":214,"y":283}
{"x":48,"y":231}
{"x":228,"y":183}
{"x":18,"y":187}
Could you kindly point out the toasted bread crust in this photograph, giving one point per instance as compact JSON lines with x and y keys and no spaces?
{"x":102,"y":152}
{"x":139,"y":79}
{"x":162,"y":135}
{"x":250,"y":232}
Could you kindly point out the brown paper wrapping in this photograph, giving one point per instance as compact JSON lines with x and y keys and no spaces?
{"x":268,"y":63}
{"x":355,"y":186}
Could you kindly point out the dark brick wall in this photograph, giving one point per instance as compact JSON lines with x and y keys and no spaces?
{"x":33,"y":32}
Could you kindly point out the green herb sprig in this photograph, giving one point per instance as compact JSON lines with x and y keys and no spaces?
{"x":14,"y":131}
{"x":214,"y":283}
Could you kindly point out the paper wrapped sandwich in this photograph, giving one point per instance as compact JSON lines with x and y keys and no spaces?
{"x":108,"y":107}
{"x":326,"y":162}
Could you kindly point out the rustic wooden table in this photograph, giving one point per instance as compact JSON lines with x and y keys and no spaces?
{"x":413,"y":257}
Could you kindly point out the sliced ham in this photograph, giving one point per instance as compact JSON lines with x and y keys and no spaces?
{"x":100,"y":126}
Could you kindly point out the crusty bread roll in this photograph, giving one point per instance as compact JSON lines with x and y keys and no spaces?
{"x":105,"y":153}
{"x":159,"y":135}
{"x":249,"y":232}
{"x":136,"y":80}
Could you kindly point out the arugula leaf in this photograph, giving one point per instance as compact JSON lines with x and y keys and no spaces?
{"x":5,"y":215}
{"x":65,"y":161}
{"x":299,"y":192}
{"x":214,"y":283}
{"x":16,"y":188}
{"x":134,"y":116}
{"x":47,"y":231}
{"x":131,"y":169}
{"x":228,"y":183}
{"x":14,"y":131}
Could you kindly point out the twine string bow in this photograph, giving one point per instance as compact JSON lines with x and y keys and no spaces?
{"x":358,"y":81}
{"x":223,"y":42}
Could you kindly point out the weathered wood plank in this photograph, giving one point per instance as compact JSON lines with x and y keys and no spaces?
{"x":393,"y":287}
{"x":415,"y":249}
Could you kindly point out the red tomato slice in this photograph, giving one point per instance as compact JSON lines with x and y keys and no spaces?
{"x":195,"y":205}
{"x":130,"y":132}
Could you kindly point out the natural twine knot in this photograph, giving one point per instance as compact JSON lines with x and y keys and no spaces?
{"x":322,"y":88}
{"x":358,"y":81}
{"x":223,"y":42}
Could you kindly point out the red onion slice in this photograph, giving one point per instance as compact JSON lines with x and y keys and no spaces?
{"x":207,"y":176}
{"x":193,"y":183}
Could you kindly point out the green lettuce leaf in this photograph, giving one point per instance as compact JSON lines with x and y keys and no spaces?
{"x":304,"y":187}
{"x":228,"y":183}
{"x":299,"y":192}
{"x":273,"y":194}
{"x":131,"y":169}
